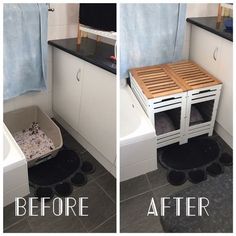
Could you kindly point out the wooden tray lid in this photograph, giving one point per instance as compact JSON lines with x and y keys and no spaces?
{"x":156,"y":81}
{"x":191,"y":75}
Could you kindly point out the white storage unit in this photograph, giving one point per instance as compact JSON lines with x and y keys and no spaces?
{"x":161,"y":95}
{"x":84,"y":101}
{"x":203,"y":97}
{"x":185,"y":92}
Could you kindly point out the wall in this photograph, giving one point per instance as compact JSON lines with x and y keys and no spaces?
{"x":62,"y":23}
{"x":197,"y":10}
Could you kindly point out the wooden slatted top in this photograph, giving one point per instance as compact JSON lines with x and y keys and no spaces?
{"x":191,"y":75}
{"x":156,"y":81}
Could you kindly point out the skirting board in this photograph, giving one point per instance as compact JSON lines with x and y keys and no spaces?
{"x":91,"y":149}
{"x":224,"y":134}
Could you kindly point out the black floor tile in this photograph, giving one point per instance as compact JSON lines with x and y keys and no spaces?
{"x":56,"y":224}
{"x":133,"y":215}
{"x":107,"y":227}
{"x":132,"y":187}
{"x":9,"y":217}
{"x":168,"y":190}
{"x":108,"y":183}
{"x":100,"y":206}
{"x":157,"y":178}
{"x":20,"y":227}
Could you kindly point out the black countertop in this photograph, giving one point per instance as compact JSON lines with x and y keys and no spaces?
{"x":210,"y":24}
{"x":90,"y":50}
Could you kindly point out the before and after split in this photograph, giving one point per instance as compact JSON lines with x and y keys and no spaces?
{"x":117,"y":117}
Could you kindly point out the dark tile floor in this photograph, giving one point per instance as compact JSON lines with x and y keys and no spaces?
{"x":101,"y":193}
{"x":136,"y":194}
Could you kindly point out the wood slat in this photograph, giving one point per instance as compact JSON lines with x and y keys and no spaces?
{"x":167,"y":79}
{"x":156,"y":81}
{"x":191,"y":75}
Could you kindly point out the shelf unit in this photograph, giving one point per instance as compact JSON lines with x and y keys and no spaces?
{"x":203,"y":93}
{"x":174,"y":91}
{"x":158,"y":93}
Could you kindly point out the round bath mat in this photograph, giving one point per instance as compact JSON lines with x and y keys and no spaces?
{"x":214,"y":169}
{"x":58,"y":175}
{"x":63,"y":189}
{"x":176,"y":177}
{"x":87,"y":167}
{"x":197,"y":176}
{"x":45,"y":192}
{"x":79,"y":179}
{"x":191,"y":158}
{"x":226,"y":159}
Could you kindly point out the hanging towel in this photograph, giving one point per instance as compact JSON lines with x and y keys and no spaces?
{"x":24,"y":48}
{"x":150,"y":34}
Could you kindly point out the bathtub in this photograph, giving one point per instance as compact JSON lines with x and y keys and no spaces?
{"x":15,"y":170}
{"x":137,"y":138}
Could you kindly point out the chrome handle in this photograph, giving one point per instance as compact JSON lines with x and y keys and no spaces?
{"x":215,"y":53}
{"x":78,"y":75}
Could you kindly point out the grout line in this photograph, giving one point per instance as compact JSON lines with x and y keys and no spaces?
{"x":114,"y":201}
{"x":149,"y":183}
{"x":102,"y":224}
{"x":134,"y":196}
{"x":13,"y":224}
{"x":87,"y":231}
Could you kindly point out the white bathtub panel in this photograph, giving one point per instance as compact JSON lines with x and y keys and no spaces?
{"x":14,"y":178}
{"x":140,"y":168}
{"x":137,"y":152}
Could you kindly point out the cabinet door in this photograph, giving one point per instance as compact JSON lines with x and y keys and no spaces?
{"x":225,"y":74}
{"x":67,"y":85}
{"x":97,"y":120}
{"x":205,"y":49}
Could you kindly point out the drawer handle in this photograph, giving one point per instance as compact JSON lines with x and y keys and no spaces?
{"x":78,"y":75}
{"x":215,"y":53}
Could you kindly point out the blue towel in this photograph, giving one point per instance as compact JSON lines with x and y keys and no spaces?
{"x":150,"y":34}
{"x":24,"y":48}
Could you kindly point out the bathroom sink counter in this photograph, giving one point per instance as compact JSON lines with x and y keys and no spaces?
{"x":97,"y":53}
{"x":210,"y":24}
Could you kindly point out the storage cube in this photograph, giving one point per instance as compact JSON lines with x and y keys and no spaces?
{"x":202,"y":97}
{"x":163,"y":99}
{"x":181,"y":100}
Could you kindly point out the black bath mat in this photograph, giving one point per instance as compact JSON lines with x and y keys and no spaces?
{"x":197,"y":176}
{"x":44,"y":192}
{"x":58,"y":175}
{"x":55,"y":169}
{"x":87,"y":167}
{"x":226,"y":159}
{"x":191,"y":160}
{"x":79,"y":179}
{"x":63,"y":189}
{"x":176,"y":177}
{"x":214,"y":169}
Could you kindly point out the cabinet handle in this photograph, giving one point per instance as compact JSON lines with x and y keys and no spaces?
{"x":215,"y":53}
{"x":78,"y":75}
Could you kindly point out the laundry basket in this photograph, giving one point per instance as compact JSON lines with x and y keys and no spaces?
{"x":23,"y":118}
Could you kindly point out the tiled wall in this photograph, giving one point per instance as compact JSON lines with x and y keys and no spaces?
{"x":197,"y":10}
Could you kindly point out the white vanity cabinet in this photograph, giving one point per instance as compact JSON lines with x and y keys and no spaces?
{"x":215,"y":54}
{"x":97,"y":119}
{"x":84,"y":96}
{"x":67,"y":86}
